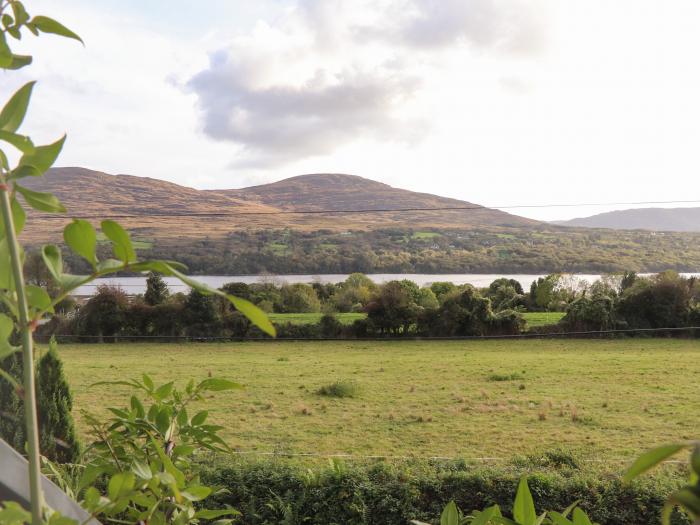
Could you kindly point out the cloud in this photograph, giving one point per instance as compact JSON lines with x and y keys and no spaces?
{"x":281,"y":122}
{"x":505,"y":25}
{"x":328,"y":73}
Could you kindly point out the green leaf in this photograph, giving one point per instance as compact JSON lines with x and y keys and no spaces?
{"x":38,"y":298}
{"x":580,"y":517}
{"x":213,"y":514}
{"x":199,"y":418}
{"x":7,"y":281}
{"x":22,"y":143}
{"x":687,"y":499}
{"x":19,"y":217}
{"x":19,"y":61}
{"x":5,"y":52}
{"x":7,"y":326}
{"x":122,"y":247}
{"x":38,"y":162}
{"x":163,"y":391}
{"x":12,"y":512}
{"x":558,"y":519}
{"x":486,"y":515}
{"x":120,"y":484}
{"x":216,"y":385}
{"x":81,"y":237}
{"x":695,"y":459}
{"x":13,"y":113}
{"x":148,"y":382}
{"x":49,"y":25}
{"x":650,"y":459}
{"x":523,"y":506}
{"x":255,"y":314}
{"x":196,"y":493}
{"x":141,"y":469}
{"x":20,"y":13}
{"x":53,"y":260}
{"x":163,"y":421}
{"x":450,"y":514}
{"x":41,"y":201}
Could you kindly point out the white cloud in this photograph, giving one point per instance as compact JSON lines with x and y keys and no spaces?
{"x":331,"y":72}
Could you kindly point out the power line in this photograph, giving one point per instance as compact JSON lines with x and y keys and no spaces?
{"x":363,"y":211}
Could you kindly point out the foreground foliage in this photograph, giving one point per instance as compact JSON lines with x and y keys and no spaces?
{"x":380,"y":493}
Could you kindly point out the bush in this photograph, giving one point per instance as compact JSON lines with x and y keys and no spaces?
{"x":393,"y":494}
{"x":339,"y":389}
{"x":58,"y":440}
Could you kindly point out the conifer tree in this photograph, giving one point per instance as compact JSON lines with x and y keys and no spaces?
{"x":12,"y":428}
{"x":58,"y":441}
{"x":156,"y":290}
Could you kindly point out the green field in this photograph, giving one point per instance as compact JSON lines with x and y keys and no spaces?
{"x":532,"y":318}
{"x":606,"y":399}
{"x":542,"y":318}
{"x":344,"y":318}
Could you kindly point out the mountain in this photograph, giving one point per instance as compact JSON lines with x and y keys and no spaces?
{"x":655,"y":219}
{"x":256,"y":230}
{"x":156,"y":209}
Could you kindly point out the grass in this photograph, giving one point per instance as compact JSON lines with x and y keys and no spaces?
{"x":345,"y":318}
{"x":532,"y":318}
{"x":605,"y":399}
{"x":542,"y":318}
{"x":505,"y":377}
{"x":425,"y":235}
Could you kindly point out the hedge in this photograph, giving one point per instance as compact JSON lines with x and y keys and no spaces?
{"x":386,"y":494}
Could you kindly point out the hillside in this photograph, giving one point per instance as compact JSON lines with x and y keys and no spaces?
{"x":255,"y":230}
{"x":217,"y":213}
{"x":655,"y":219}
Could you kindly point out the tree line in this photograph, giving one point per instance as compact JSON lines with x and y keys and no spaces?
{"x":393,"y":309}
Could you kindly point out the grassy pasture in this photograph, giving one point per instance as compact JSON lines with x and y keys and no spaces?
{"x":542,"y":318}
{"x":607,"y":399}
{"x":310,"y":318}
{"x":532,"y":318}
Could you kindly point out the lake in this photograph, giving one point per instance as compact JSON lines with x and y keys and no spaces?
{"x":137,"y":285}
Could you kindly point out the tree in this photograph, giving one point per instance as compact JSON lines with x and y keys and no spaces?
{"x":104,"y":315}
{"x":200,"y":314}
{"x":427,"y":299}
{"x":393,"y":309}
{"x":58,"y":440}
{"x":467,"y":313}
{"x":11,"y":406}
{"x":156,"y":290}
{"x":298,"y":298}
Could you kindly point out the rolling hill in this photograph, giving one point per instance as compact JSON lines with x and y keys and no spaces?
{"x":654,"y":219}
{"x":258,"y":230}
{"x":163,"y":210}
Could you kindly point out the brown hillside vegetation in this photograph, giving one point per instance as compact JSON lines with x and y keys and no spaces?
{"x":162,"y":210}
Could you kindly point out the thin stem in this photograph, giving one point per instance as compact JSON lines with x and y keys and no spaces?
{"x":30,"y":415}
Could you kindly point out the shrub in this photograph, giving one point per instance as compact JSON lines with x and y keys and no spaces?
{"x":339,"y":389}
{"x":393,"y":494}
{"x":58,"y":441}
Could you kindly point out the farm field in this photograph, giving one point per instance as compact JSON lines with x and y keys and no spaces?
{"x":311,"y":318}
{"x":533,"y":318}
{"x":607,"y":399}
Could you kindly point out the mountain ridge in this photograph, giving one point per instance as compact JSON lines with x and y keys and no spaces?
{"x":651,"y":219}
{"x":165,"y":209}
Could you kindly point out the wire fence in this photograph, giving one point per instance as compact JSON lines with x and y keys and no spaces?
{"x":527,"y":335}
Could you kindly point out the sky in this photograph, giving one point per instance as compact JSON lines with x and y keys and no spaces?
{"x":497,"y":102}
